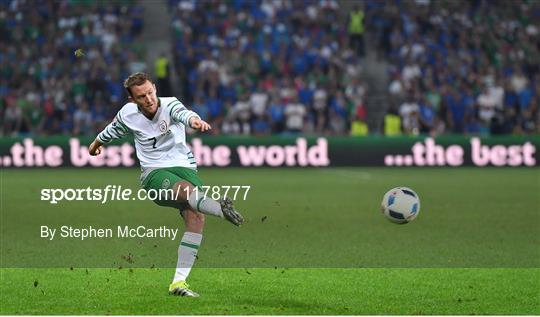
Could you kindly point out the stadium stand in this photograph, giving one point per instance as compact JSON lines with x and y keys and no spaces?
{"x":280,"y":67}
{"x":47,"y":89}
{"x":467,"y":67}
{"x":261,"y":67}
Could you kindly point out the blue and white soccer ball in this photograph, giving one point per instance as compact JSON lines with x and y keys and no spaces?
{"x":400,"y":205}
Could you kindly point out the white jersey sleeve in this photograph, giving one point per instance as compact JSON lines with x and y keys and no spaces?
{"x":114,"y":130}
{"x":178,"y":112}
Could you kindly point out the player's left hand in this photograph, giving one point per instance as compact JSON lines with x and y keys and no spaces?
{"x":199,"y":124}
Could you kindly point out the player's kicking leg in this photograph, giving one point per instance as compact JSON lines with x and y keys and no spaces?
{"x":229,"y":212}
{"x":206,"y":205}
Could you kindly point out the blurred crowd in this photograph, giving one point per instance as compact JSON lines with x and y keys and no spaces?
{"x":276,"y":66}
{"x":460,"y":66}
{"x":262,"y":67}
{"x":63,"y":63}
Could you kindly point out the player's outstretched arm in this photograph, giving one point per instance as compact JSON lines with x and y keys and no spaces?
{"x":95,"y":148}
{"x":199,"y":124}
{"x":114,"y":130}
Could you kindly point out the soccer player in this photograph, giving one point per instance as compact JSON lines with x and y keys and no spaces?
{"x":158,"y":125}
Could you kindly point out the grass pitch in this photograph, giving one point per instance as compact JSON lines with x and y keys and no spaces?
{"x":314,"y":243}
{"x":273,"y":291}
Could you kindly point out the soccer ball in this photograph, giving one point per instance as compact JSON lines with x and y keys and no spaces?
{"x":400,"y":205}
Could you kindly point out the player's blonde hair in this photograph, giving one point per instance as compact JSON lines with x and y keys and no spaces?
{"x":136,"y":79}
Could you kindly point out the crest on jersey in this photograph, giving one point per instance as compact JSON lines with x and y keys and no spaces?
{"x":166,"y":183}
{"x":162,"y":126}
